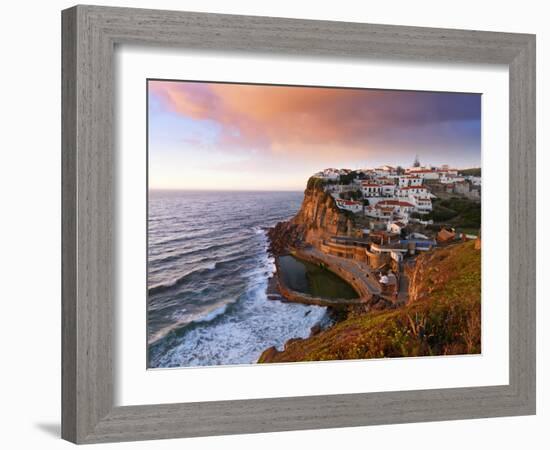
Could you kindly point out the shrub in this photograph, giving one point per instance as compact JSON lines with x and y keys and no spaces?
{"x":315,"y":183}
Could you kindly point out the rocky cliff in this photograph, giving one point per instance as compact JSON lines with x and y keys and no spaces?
{"x":443,"y":316}
{"x":317,"y":219}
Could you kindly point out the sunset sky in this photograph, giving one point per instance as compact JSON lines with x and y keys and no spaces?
{"x":264,"y":137}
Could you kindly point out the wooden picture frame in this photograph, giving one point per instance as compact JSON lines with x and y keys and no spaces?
{"x":90,"y":34}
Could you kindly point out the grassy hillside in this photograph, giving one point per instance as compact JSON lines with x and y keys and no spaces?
{"x":443,"y":317}
{"x":476,"y":172}
{"x":457,"y":212}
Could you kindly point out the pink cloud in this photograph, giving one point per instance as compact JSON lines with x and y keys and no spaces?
{"x":304,"y":121}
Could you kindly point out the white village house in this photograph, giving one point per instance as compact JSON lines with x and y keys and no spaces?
{"x":370,"y":189}
{"x":390,"y":195}
{"x":409,"y":180}
{"x":349,"y":205}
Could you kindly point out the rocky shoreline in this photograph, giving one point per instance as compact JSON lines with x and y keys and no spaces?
{"x":317,"y":218}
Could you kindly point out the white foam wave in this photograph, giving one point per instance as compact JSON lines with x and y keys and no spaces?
{"x":212,"y":314}
{"x":173,"y":282}
{"x":187,"y":319}
{"x":241,"y":335}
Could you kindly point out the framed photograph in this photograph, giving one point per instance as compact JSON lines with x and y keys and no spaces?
{"x":278,"y":224}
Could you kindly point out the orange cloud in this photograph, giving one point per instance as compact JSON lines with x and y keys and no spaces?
{"x":307,"y":120}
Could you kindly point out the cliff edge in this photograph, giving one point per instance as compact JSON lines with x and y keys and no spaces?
{"x":317,"y":219}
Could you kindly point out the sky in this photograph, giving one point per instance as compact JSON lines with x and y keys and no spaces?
{"x":220,"y":136}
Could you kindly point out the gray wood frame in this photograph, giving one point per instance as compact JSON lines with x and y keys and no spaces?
{"x":90,"y":34}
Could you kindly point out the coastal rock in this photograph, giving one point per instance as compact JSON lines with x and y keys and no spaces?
{"x":268,"y":355}
{"x":315,"y":329}
{"x":284,"y":235}
{"x":317,"y":219}
{"x":292,"y":341}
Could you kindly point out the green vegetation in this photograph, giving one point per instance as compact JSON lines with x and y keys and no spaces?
{"x":457,"y":212}
{"x":315,"y":183}
{"x":442,"y":318}
{"x":352,"y":195}
{"x":348,"y":178}
{"x":475,"y":172}
{"x":441,"y":213}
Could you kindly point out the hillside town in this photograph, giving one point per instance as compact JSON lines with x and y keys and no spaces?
{"x":408,"y":241}
{"x":395,"y":195}
{"x":401,"y":212}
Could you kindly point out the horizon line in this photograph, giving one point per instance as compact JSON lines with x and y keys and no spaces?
{"x":223,"y":190}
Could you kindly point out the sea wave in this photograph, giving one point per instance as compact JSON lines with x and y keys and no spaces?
{"x":196,"y":233}
{"x":197,"y":251}
{"x":186,"y":321}
{"x":256,"y":288}
{"x":174,"y":282}
{"x":234,"y":334}
{"x":230,"y":258}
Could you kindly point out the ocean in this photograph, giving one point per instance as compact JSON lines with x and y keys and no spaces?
{"x":208,"y":269}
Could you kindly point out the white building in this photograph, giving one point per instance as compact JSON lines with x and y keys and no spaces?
{"x":419,"y":196}
{"x":410,"y":180}
{"x":476,"y":181}
{"x":413,"y":191}
{"x":328,"y":174}
{"x":385,"y":170}
{"x":444,"y":170}
{"x":425,"y":173}
{"x":422,"y":205}
{"x":396,"y":227}
{"x":370,"y":189}
{"x":349,"y":205}
{"x":383,"y":213}
{"x":398,"y":206}
{"x":448,"y":178}
{"x":387,"y":189}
